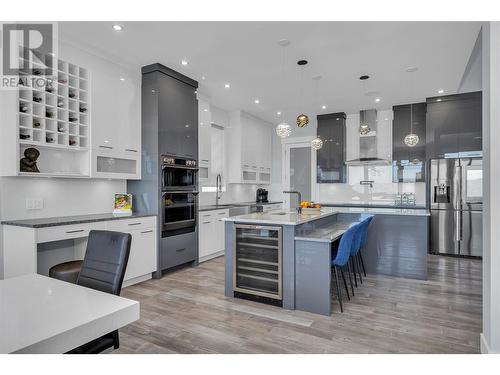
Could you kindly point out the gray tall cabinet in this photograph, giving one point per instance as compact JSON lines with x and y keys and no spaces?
{"x":169,"y":126}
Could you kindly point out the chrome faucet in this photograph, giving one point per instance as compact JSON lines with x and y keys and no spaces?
{"x":218,"y":189}
{"x":299,"y":208}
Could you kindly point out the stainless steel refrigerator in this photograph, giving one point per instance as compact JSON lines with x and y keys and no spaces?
{"x":456,"y":202}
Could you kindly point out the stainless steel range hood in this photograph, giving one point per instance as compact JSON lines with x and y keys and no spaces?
{"x":368,"y":149}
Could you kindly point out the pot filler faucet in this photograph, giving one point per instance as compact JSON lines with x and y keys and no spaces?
{"x":299,"y":208}
{"x":218,"y":189}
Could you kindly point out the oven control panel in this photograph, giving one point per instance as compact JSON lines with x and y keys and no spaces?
{"x":182,"y":162}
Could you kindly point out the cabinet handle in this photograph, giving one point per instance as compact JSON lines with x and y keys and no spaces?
{"x":130,"y":150}
{"x":107,"y":147}
{"x":135,"y":223}
{"x":206,"y":222}
{"x":204,"y":160}
{"x":179,"y":250}
{"x":76,"y":231}
{"x":207,"y":215}
{"x":148,"y":231}
{"x":221,"y":213}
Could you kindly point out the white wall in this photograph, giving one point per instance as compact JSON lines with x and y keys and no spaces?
{"x":490,"y":337}
{"x":65,"y":197}
{"x":472,"y":78}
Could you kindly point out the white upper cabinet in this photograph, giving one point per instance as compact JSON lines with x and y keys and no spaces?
{"x":250,"y":142}
{"x":204,"y":138}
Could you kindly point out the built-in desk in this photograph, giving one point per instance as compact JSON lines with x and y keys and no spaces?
{"x":61,"y":239}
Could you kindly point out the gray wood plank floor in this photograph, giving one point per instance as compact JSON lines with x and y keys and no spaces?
{"x":186,"y":312}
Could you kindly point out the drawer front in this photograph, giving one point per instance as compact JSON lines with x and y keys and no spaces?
{"x":178,"y":249}
{"x":126,"y":225}
{"x":205,"y":216}
{"x":142,"y":259}
{"x":219,"y":214}
{"x":67,"y":232}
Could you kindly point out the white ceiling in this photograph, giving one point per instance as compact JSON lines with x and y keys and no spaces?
{"x":246,"y":55}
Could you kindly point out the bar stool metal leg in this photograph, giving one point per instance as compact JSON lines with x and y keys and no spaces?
{"x":358,"y":266}
{"x":345,"y":283}
{"x":349,"y":265}
{"x":338,"y":288}
{"x":362,"y":263}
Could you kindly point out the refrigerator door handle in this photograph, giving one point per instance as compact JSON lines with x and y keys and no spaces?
{"x":458,"y":188}
{"x":458,"y":225}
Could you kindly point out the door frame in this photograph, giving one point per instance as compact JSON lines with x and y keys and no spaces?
{"x":286,"y":145}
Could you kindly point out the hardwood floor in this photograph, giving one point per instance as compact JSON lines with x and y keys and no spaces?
{"x":187,"y":312}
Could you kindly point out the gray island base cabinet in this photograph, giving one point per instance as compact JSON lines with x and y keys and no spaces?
{"x":397,"y":245}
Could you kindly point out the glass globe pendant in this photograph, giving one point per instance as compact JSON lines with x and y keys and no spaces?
{"x":411,"y":140}
{"x":283,"y":130}
{"x":317,"y":143}
{"x":302,"y":120}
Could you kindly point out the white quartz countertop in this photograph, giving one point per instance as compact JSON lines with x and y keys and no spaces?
{"x":44,"y":315}
{"x":280,"y":217}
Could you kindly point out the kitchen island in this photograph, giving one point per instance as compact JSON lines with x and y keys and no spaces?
{"x":298,"y":276}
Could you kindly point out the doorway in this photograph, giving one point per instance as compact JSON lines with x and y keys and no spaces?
{"x":298,"y":172}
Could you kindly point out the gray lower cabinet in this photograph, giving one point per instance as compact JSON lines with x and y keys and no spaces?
{"x":454,"y":125}
{"x":331,"y":158}
{"x":178,"y":249}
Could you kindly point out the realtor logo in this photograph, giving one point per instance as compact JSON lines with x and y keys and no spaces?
{"x":27,"y":48}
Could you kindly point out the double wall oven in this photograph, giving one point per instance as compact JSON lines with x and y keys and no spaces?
{"x":179,"y":201}
{"x":179,"y":194}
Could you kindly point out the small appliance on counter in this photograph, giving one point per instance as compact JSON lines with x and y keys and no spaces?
{"x":261,"y":196}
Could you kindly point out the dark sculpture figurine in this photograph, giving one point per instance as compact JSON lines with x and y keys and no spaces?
{"x":28,"y":163}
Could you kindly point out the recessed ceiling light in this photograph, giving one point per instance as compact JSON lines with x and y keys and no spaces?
{"x":187,"y":125}
{"x":283,"y":42}
{"x":377,"y":99}
{"x":440,"y":91}
{"x":205,"y":110}
{"x":122,"y":79}
{"x":184,"y":62}
{"x":227,"y":85}
{"x":278,"y":113}
{"x":117,"y":27}
{"x":203,"y":77}
{"x":438,"y":100}
{"x":256,"y":101}
{"x":323,"y":107}
{"x":411,"y":69}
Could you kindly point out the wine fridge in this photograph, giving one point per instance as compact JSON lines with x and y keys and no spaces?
{"x":258,"y":261}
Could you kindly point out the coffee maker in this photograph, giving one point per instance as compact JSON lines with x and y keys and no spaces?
{"x":261,"y":196}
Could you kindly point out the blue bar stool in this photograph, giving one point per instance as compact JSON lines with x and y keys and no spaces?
{"x":342,"y":258}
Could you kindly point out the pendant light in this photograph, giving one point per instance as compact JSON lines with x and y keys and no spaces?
{"x":411,"y":140}
{"x":302,"y":119}
{"x":283,"y":129}
{"x":316,"y":143}
{"x":364,"y":127}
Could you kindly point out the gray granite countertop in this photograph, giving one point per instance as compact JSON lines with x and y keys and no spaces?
{"x":372,"y":205}
{"x":212,"y":207}
{"x":292,"y":218}
{"x":325,"y":233}
{"x":69,"y":220}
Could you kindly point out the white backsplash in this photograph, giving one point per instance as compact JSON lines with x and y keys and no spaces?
{"x":233,"y":193}
{"x":384,"y":191}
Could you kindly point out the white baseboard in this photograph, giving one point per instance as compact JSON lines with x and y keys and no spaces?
{"x":135,"y":280}
{"x":484,"y":347}
{"x":211,"y":256}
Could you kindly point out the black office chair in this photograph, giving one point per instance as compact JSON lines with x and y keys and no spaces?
{"x":103,"y":268}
